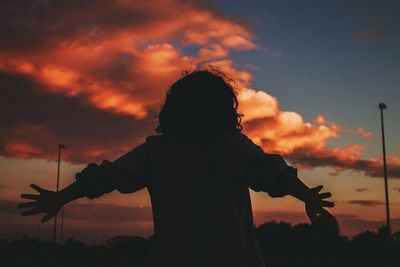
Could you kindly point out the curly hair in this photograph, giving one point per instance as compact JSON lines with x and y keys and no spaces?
{"x":201,"y":102}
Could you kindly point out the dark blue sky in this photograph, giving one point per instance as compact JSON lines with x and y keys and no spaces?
{"x":335,"y":58}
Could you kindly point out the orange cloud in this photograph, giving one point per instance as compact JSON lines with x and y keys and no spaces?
{"x":320,"y":120}
{"x":22,"y":150}
{"x":363,"y":133}
{"x":280,"y":131}
{"x":106,"y":72}
{"x":306,"y":144}
{"x":113,"y":60}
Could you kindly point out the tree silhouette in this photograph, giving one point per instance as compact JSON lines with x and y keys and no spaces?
{"x":281,"y":244}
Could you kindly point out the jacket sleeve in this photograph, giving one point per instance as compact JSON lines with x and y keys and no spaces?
{"x":127,"y":174}
{"x":265,"y":172}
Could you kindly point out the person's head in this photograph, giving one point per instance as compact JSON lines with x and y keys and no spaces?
{"x":200,"y":103}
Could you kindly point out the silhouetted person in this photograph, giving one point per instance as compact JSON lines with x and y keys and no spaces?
{"x":198,"y":171}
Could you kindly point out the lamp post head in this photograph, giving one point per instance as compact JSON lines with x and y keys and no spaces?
{"x":61,"y":146}
{"x":382,"y":106}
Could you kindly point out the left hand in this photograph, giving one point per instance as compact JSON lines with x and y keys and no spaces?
{"x":315,"y":204}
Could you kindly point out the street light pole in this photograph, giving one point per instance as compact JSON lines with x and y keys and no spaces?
{"x":62,"y":226}
{"x":382,"y":106}
{"x":60,"y":146}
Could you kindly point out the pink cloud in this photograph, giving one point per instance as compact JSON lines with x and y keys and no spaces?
{"x":363,"y":133}
{"x":369,"y":33}
{"x":116,"y":61}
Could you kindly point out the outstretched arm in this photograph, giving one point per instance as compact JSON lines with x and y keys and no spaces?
{"x":314,"y":200}
{"x":49,"y":202}
{"x":126,"y":174}
{"x":270,"y":173}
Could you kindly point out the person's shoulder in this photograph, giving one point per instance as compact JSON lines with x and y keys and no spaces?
{"x":239,"y":138}
{"x":151,"y":139}
{"x":244,"y":145}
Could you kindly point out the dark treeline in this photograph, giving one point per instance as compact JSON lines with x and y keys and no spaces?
{"x":281,"y":244}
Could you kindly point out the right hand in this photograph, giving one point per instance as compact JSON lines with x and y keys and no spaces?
{"x":46,"y":201}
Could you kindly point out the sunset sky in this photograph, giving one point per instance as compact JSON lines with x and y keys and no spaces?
{"x":92,"y":74}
